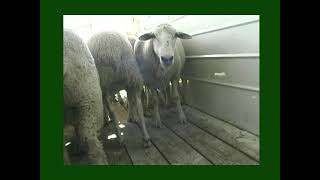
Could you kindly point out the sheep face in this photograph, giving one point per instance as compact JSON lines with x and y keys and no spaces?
{"x":164,"y":39}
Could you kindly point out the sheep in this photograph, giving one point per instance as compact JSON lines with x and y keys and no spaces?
{"x":160,"y":56}
{"x":82,"y":92}
{"x":132,"y":40}
{"x":145,"y":91}
{"x":118,"y":70}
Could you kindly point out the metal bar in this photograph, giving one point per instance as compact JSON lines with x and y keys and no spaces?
{"x":175,"y":20}
{"x":224,"y":26}
{"x":239,"y":55}
{"x":249,"y":88}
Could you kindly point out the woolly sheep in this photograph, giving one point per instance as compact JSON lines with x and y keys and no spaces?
{"x":124,"y":104}
{"x":160,"y":56}
{"x":118,"y":70}
{"x":82,"y":91}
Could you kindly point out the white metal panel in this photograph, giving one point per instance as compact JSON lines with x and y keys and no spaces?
{"x":194,"y":23}
{"x":238,"y":55}
{"x":240,"y":39}
{"x":235,"y":106}
{"x":236,"y":71}
{"x":222,"y":67}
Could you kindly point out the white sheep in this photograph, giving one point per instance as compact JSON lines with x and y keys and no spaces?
{"x":82,"y":92}
{"x":124,"y":104}
{"x":160,"y":56}
{"x":118,"y":70}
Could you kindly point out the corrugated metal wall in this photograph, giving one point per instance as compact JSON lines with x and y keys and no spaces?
{"x":222,"y":67}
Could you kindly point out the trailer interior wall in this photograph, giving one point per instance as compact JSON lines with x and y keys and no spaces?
{"x":222,"y":67}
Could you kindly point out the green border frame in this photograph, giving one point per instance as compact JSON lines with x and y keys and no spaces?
{"x":51,"y":89}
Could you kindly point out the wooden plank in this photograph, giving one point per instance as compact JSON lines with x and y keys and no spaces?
{"x":116,"y":154}
{"x":217,"y":151}
{"x":242,"y":140}
{"x":175,"y":150}
{"x":79,"y":160}
{"x":134,"y":144}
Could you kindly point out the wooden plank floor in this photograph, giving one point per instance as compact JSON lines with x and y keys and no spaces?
{"x":134,"y":144}
{"x":175,"y":144}
{"x":173,"y":148}
{"x":214,"y":149}
{"x":244,"y":141}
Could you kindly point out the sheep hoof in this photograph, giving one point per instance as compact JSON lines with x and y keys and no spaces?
{"x":98,"y":158}
{"x":103,"y":161}
{"x":158,"y":124}
{"x":100,"y":162}
{"x":131,"y":120}
{"x":121,"y":140}
{"x":146,"y":143}
{"x":147,"y":114}
{"x":183,"y":119}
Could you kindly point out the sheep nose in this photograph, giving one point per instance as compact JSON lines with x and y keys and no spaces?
{"x":167,"y":60}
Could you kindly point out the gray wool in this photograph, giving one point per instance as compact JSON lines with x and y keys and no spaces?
{"x":82,"y":92}
{"x":81,"y":79}
{"x":118,"y":69}
{"x":115,"y":61}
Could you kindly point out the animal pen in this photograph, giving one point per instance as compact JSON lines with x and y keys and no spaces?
{"x":219,"y":91}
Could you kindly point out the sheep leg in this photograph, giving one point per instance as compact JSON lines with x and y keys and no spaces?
{"x":76,"y":147}
{"x":143,"y":97}
{"x":121,"y":101}
{"x":105,"y":114}
{"x":147,"y":102}
{"x":139,"y":111}
{"x":169,"y":94}
{"x":156,"y":115}
{"x":131,"y":117}
{"x":70,"y":131}
{"x":66,"y":157}
{"x":114,"y":120}
{"x":147,"y":97}
{"x":165,"y":95}
{"x":183,"y":90}
{"x":69,"y":134}
{"x":162,"y":98}
{"x":176,"y":99}
{"x":89,"y":126}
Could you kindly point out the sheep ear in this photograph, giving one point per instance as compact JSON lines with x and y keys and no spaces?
{"x":182,"y":35}
{"x":146,"y":36}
